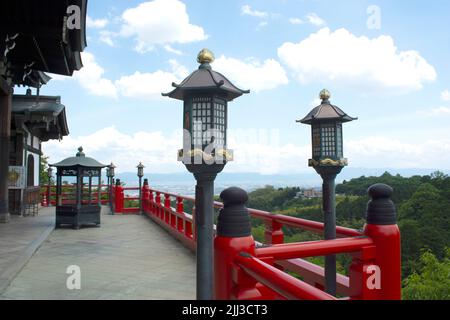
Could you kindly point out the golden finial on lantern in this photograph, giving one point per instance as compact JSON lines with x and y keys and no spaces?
{"x":205,"y":56}
{"x":325,"y":95}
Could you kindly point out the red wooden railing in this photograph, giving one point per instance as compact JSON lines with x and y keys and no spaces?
{"x":262,"y":274}
{"x":249,"y":270}
{"x":48,"y":195}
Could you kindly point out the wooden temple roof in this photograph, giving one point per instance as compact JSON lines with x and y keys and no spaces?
{"x":35,"y":36}
{"x":44,"y":116}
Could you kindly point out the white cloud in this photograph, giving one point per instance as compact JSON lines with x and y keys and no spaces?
{"x":343,"y":58}
{"x":169,"y":48}
{"x":160,"y":22}
{"x":247,"y":10}
{"x":263,"y":24}
{"x":296,"y":21}
{"x":110,"y":144}
{"x":107,"y":37}
{"x":150,"y":85}
{"x":255,"y":151}
{"x":91,"y":78}
{"x":441,"y":111}
{"x":315,"y":20}
{"x":96,"y":23}
{"x":445,"y":95}
{"x":138,"y":85}
{"x":379,"y":152}
{"x":252,"y":74}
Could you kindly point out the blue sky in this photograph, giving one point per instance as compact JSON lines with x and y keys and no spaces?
{"x":391,"y":73}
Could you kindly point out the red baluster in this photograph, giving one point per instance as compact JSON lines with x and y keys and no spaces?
{"x":274,"y":232}
{"x":167,"y":209}
{"x":376,"y":273}
{"x":44,"y":202}
{"x":158,"y":204}
{"x":145,"y":198}
{"x":120,"y":197}
{"x":180,"y":211}
{"x":233,"y":238}
{"x":151,"y":202}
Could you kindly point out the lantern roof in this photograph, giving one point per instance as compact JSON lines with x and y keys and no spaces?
{"x":140,"y":165}
{"x":205,"y":79}
{"x":80,"y":160}
{"x":326,"y":112}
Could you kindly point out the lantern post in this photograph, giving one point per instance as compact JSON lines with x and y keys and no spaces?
{"x":140,"y":174}
{"x":49,"y":187}
{"x":328,"y":160}
{"x":205,"y":94}
{"x":111,"y":173}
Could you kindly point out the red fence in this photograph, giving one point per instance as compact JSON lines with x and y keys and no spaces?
{"x":248,"y":270}
{"x":68,"y":194}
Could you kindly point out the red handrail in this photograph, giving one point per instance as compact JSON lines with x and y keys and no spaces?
{"x":257,"y":274}
{"x":313,"y":248}
{"x":289,"y":221}
{"x":279,"y":281}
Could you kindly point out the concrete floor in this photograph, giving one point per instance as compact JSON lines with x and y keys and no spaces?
{"x":129,"y":257}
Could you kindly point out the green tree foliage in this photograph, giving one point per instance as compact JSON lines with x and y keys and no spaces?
{"x":423,"y":207}
{"x":271,"y":199}
{"x":431,"y":281}
{"x":43,"y":176}
{"x":425,"y":223}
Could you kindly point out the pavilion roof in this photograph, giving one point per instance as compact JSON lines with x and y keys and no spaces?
{"x":80,"y":160}
{"x":44,"y":116}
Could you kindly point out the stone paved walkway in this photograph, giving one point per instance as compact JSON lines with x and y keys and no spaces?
{"x":129,"y":257}
{"x":19,"y":240}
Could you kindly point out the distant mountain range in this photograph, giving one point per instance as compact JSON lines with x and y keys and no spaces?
{"x":184,"y":183}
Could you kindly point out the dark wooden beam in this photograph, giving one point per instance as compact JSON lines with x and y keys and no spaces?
{"x":5,"y":133}
{"x":5,"y":88}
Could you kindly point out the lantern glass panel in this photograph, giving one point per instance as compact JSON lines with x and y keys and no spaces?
{"x":328,"y":134}
{"x":316,"y":141}
{"x":202,"y":121}
{"x":339,"y":142}
{"x":220,"y":126}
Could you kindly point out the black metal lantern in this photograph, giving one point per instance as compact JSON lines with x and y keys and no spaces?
{"x":140,"y":172}
{"x":326,"y":130}
{"x":328,"y":160}
{"x":205,"y":94}
{"x":49,"y":173}
{"x":111,"y":171}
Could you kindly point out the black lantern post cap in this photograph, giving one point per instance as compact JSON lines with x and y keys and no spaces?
{"x":234,"y":218}
{"x":80,"y":152}
{"x":380,"y":209}
{"x":50,"y":172}
{"x":111,"y":171}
